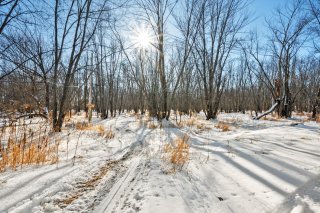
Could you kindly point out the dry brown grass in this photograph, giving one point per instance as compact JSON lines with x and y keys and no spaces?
{"x":177,"y":153}
{"x":109,"y":134}
{"x":318,"y":119}
{"x":152,"y":125}
{"x":191,"y":122}
{"x":25,"y":147}
{"x":232,"y":120}
{"x":203,"y":127}
{"x":272,"y":118}
{"x":85,"y":126}
{"x":100,"y":129}
{"x":145,"y":121}
{"x":306,"y":117}
{"x":300,"y":113}
{"x":69,"y":115}
{"x":133,"y":114}
{"x":223,"y":126}
{"x":97,"y":128}
{"x":50,"y":115}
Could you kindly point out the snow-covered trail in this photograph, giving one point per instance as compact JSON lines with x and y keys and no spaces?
{"x":51,"y":187}
{"x":256,"y":167}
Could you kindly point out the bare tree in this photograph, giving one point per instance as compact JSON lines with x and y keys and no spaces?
{"x":79,"y":24}
{"x":188,"y":22}
{"x":14,"y":15}
{"x":315,"y":28}
{"x":156,"y":14}
{"x":12,"y":11}
{"x":221,"y":21}
{"x":287,"y":39}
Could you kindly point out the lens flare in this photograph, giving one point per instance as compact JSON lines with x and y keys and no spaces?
{"x":142,"y":37}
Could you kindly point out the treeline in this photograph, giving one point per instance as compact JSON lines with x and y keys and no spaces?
{"x":157,"y":55}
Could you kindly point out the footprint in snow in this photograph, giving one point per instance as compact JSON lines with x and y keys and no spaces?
{"x":138,"y":197}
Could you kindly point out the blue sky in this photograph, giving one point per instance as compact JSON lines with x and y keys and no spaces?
{"x":262,"y":9}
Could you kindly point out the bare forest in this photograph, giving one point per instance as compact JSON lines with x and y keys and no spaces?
{"x":195,"y":82}
{"x":185,"y":56}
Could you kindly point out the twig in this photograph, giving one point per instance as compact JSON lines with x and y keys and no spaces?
{"x":75,"y":152}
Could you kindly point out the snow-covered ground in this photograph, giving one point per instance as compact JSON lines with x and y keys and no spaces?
{"x":257,"y":166}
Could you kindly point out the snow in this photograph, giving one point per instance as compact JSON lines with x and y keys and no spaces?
{"x":258,"y":166}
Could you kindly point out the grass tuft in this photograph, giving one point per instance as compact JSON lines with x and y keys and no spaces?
{"x":152,"y":125}
{"x":85,"y":126}
{"x":191,"y":122}
{"x":177,"y":153}
{"x":223,"y":126}
{"x":25,"y":147}
{"x":109,"y":134}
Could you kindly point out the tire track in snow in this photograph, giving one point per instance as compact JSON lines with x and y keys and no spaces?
{"x":118,"y":190}
{"x":89,"y":192}
{"x":33,"y":191}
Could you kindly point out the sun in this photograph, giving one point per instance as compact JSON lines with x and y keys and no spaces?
{"x":142,"y":38}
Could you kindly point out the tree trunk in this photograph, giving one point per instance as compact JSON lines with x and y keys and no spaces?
{"x":316,"y":106}
{"x":47,"y":96}
{"x":269,"y":111}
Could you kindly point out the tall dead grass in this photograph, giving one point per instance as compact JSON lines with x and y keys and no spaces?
{"x":177,"y":153}
{"x":21,"y":145}
{"x":89,"y":127}
{"x":109,"y":134}
{"x":223,"y":126}
{"x":83,"y":125}
{"x":152,"y":125}
{"x":100,"y":129}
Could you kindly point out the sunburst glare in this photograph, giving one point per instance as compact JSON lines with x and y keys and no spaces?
{"x":142,"y":37}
